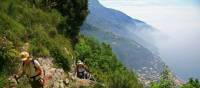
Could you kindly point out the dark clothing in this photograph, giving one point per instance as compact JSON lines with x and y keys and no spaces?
{"x":81,"y":75}
{"x":36,"y":83}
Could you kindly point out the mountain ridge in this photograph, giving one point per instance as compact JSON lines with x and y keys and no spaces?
{"x":112,"y":26}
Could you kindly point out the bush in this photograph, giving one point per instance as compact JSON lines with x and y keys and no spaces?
{"x":166,"y":80}
{"x":2,"y":80}
{"x":8,"y":55}
{"x":192,"y":83}
{"x":60,"y":58}
{"x":123,"y":79}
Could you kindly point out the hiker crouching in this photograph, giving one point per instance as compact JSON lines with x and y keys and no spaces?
{"x":32,"y":69}
{"x":81,"y":70}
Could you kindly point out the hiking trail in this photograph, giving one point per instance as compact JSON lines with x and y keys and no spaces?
{"x":55,"y":77}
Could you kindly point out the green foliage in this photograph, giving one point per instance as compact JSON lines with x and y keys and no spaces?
{"x":60,"y":58}
{"x":30,"y":23}
{"x":123,"y":79}
{"x":73,"y":11}
{"x":155,"y":85}
{"x":40,"y":42}
{"x":2,"y":80}
{"x":10,"y":28}
{"x":25,"y":21}
{"x":192,"y":83}
{"x":8,"y":56}
{"x":166,"y":80}
{"x":49,"y":26}
{"x":104,"y":64}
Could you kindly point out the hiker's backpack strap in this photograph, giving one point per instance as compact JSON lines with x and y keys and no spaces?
{"x":23,"y":64}
{"x":34,"y":64}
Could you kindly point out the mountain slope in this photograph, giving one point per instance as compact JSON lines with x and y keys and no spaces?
{"x":128,"y":38}
{"x":48,"y":29}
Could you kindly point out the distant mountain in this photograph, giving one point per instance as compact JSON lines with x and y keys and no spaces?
{"x":117,"y":22}
{"x":130,"y":39}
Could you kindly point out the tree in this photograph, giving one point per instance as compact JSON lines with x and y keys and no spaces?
{"x":192,"y":83}
{"x":166,"y":80}
{"x":74,"y":12}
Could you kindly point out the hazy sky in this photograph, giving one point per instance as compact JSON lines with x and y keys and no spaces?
{"x":179,"y":20}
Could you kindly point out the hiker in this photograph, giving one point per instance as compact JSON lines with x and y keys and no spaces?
{"x":32,"y":69}
{"x":81,"y":70}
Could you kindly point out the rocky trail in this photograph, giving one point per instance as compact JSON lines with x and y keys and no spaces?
{"x":56,"y":77}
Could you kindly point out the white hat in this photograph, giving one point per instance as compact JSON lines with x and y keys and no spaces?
{"x":80,"y":62}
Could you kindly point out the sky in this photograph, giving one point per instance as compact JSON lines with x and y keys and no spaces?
{"x":179,"y":20}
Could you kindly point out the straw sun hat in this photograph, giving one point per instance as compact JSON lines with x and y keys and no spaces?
{"x":24,"y":55}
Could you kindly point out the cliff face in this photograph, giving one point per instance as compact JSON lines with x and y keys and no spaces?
{"x":130,"y":39}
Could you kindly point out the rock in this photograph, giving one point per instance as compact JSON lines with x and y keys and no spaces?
{"x":66,"y":81}
{"x":57,"y":74}
{"x":12,"y":82}
{"x":55,"y":77}
{"x":83,"y":82}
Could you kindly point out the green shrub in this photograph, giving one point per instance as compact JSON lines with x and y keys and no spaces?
{"x":122,"y":78}
{"x":60,"y":58}
{"x":155,"y":85}
{"x":2,"y":80}
{"x":8,"y":55}
{"x":40,"y":42}
{"x":10,"y":28}
{"x":192,"y":83}
{"x":166,"y":80}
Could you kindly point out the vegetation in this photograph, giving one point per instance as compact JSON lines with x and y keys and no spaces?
{"x":104,"y":64}
{"x":51,"y":29}
{"x":166,"y":80}
{"x":7,"y":55}
{"x":30,"y":21}
{"x":74,"y":12}
{"x":192,"y":83}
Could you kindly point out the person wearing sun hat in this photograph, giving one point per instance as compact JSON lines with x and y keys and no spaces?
{"x":81,"y":70}
{"x":32,"y":69}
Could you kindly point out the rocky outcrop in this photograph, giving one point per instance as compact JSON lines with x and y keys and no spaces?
{"x":56,"y":77}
